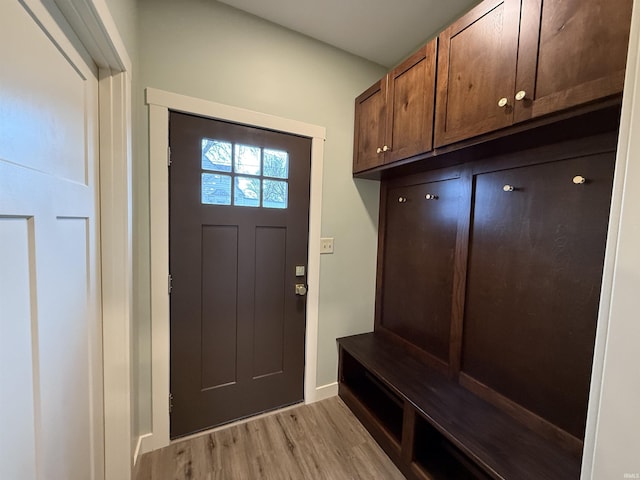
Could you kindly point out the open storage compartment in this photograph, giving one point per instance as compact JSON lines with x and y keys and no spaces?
{"x":437,"y":457}
{"x":379,"y":400}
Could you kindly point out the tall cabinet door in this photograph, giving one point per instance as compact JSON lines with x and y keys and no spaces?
{"x":533,"y":283}
{"x":571,"y":52}
{"x":369,"y":129}
{"x":417,"y":272}
{"x":410,"y":105}
{"x":477,"y":72}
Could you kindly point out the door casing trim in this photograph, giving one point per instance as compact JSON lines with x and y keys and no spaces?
{"x":160,"y":102}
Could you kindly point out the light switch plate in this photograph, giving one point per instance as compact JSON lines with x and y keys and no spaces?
{"x":326,"y":245}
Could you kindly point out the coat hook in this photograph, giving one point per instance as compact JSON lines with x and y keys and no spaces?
{"x":508,"y":188}
{"x":431,"y":196}
{"x":579,"y":180}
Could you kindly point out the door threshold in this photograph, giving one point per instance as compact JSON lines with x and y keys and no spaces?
{"x":235,"y":423}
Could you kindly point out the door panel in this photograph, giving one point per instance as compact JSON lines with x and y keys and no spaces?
{"x":533,"y":285}
{"x":410,"y":105}
{"x":50,"y":318}
{"x":369,"y":133}
{"x":238,"y":227}
{"x":571,"y":52}
{"x":477,"y":67}
{"x":220,"y":280}
{"x":420,"y":239}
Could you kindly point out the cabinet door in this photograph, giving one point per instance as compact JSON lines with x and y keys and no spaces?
{"x":369,"y":128}
{"x":476,"y":69}
{"x":571,"y":52}
{"x":417,"y":270}
{"x":533,"y":284}
{"x":410,"y":104}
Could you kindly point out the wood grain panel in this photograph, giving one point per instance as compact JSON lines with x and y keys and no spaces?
{"x":581,"y":42}
{"x":417,"y":278}
{"x":571,"y":52}
{"x":476,"y":67}
{"x":533,"y":286}
{"x":369,"y":129}
{"x":219,"y":305}
{"x":268,"y":323}
{"x":410,"y":105}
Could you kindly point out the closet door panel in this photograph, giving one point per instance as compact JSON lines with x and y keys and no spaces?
{"x":420,"y":238}
{"x":533,"y":285}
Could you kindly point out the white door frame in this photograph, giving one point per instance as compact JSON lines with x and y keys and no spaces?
{"x":94,"y":26}
{"x":160,"y":102}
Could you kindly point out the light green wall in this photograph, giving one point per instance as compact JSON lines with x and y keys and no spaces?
{"x":205,"y":49}
{"x":125,"y":15}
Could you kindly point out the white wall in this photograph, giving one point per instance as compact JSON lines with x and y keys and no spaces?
{"x":207,"y":50}
{"x":612,"y":443}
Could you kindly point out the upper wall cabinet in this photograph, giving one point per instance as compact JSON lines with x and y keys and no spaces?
{"x":507,"y":61}
{"x":394,"y":117}
{"x":477,"y":71}
{"x":571,"y":52}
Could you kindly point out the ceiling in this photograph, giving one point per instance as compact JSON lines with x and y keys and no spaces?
{"x":383,"y":31}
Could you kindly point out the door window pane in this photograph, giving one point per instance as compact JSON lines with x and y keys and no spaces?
{"x":216,"y":189}
{"x":276,"y":163}
{"x":216,"y":155}
{"x":247,"y":192}
{"x":275,"y":194}
{"x":247,"y":159}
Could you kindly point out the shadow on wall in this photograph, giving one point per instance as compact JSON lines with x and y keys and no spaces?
{"x":369,"y":192}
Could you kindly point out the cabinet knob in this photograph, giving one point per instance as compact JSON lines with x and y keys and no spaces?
{"x":431,"y":196}
{"x":378,"y":150}
{"x":521,"y":95}
{"x":579,"y":180}
{"x":508,"y":188}
{"x":402,"y":199}
{"x":385,"y":149}
{"x":503,"y":102}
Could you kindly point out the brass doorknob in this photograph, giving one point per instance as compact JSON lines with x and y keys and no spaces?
{"x":521,"y":95}
{"x":402,"y":199}
{"x":431,"y":196}
{"x":385,"y":149}
{"x":301,"y":289}
{"x":508,"y":188}
{"x":503,"y":102}
{"x":378,"y":150}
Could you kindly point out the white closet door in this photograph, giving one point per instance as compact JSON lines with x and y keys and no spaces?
{"x":50,"y":319}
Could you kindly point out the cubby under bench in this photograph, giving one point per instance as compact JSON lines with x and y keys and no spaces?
{"x":431,"y":427}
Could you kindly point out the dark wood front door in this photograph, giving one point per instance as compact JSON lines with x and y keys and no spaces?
{"x":239,"y":216}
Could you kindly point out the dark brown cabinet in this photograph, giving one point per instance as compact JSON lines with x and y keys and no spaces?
{"x":369,"y":128}
{"x":571,"y":52}
{"x":477,"y":70}
{"x":508,"y":61}
{"x":394,"y":117}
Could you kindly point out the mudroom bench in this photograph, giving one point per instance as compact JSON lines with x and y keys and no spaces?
{"x":431,"y":427}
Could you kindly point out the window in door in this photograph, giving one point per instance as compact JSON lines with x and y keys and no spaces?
{"x":244,"y":175}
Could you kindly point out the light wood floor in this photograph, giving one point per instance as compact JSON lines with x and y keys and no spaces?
{"x":318,"y":441}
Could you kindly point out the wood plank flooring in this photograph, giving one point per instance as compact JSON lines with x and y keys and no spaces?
{"x":321,"y":441}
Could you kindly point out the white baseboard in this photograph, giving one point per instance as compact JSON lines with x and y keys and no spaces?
{"x":324,"y":392}
{"x":145,"y":445}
